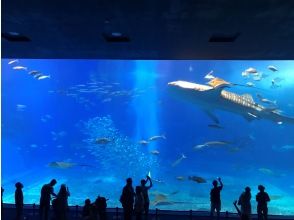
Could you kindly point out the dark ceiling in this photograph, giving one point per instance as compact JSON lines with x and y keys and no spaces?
{"x":157,"y":29}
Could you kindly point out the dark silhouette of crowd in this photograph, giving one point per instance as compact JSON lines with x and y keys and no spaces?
{"x":134,"y":202}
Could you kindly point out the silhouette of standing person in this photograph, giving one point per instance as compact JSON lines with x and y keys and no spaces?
{"x":262,"y":198}
{"x":101,"y":205}
{"x":127,"y":199}
{"x":215,"y":200}
{"x":2,"y":192}
{"x":18,"y":196}
{"x":62,"y":202}
{"x":244,"y":202}
{"x":46,"y":192}
{"x":139,"y":203}
{"x":145,"y":189}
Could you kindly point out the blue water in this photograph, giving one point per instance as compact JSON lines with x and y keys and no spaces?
{"x":59,"y":119}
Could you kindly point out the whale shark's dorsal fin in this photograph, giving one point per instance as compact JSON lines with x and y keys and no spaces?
{"x":248,"y":97}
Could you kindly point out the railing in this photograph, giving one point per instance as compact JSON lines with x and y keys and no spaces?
{"x":157,"y":214}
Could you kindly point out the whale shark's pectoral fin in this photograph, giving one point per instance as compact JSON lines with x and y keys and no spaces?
{"x":212,"y":116}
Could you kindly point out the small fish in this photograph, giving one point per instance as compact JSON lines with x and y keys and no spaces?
{"x":19,"y":68}
{"x":245,"y":74}
{"x":143,"y":142}
{"x":273,"y":68}
{"x":57,"y":135}
{"x":103,"y":140}
{"x":250,"y":84}
{"x":106,"y":100}
{"x":33,"y":146}
{"x":252,"y":115}
{"x":43,"y":120}
{"x":197,"y":179}
{"x":234,"y":149}
{"x":37,"y":75}
{"x":286,"y":148}
{"x":43,"y":77}
{"x":278,"y":79}
{"x":209,"y":75}
{"x":251,"y":70}
{"x":20,"y":107}
{"x":155,"y":152}
{"x":62,"y":165}
{"x":257,"y":78}
{"x":179,"y":160}
{"x":264,"y":100}
{"x":215,"y":126}
{"x":12,"y":61}
{"x":275,"y":84}
{"x":34,"y":72}
{"x":266,"y":171}
{"x":180,"y":178}
{"x":157,"y":180}
{"x":211,"y":143}
{"x":156,"y":137}
{"x":191,"y":68}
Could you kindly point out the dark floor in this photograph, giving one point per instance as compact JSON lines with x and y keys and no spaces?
{"x":31,"y":213}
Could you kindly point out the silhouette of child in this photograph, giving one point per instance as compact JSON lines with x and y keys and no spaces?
{"x":87,"y":210}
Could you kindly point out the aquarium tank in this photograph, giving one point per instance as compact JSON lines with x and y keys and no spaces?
{"x":90,"y":124}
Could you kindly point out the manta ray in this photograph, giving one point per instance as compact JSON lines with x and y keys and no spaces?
{"x":214,"y":96}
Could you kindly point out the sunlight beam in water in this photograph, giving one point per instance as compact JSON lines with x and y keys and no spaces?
{"x":144,"y":106}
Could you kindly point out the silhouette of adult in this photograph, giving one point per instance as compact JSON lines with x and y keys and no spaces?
{"x":62,"y":202}
{"x":46,"y":192}
{"x":145,"y":189}
{"x":262,"y":198}
{"x":18,"y":196}
{"x":139,"y":203}
{"x":215,"y":200}
{"x":127,"y":199}
{"x":244,"y":202}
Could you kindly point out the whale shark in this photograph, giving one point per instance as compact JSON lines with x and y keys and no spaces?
{"x":214,"y":97}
